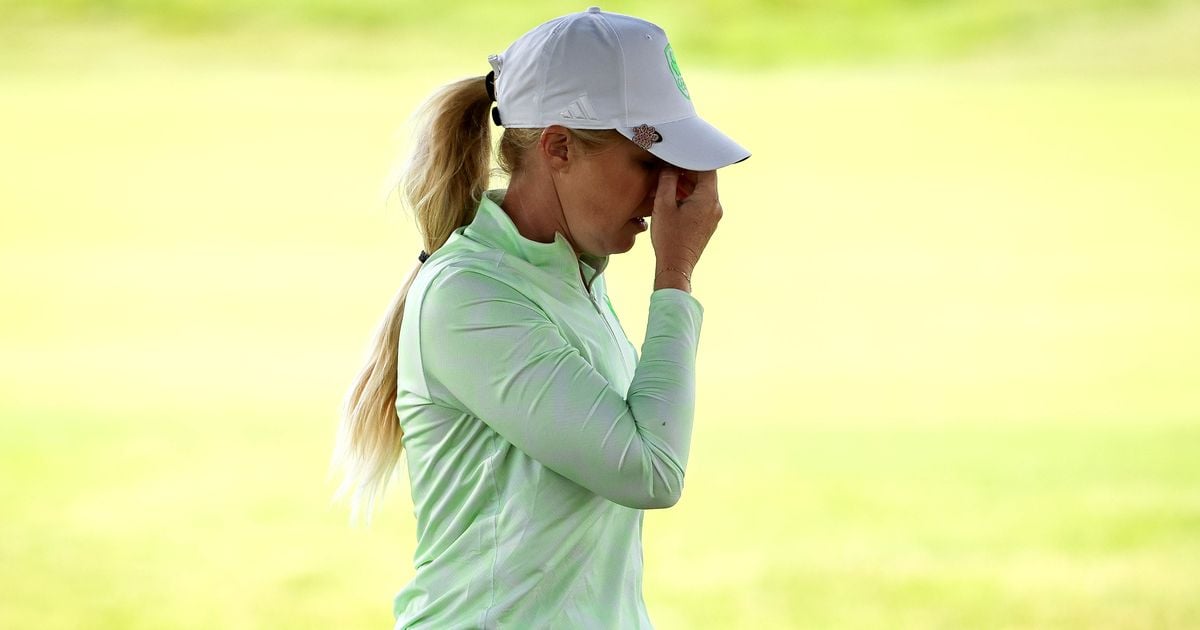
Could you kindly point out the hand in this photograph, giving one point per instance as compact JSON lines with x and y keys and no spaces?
{"x":686,"y":213}
{"x":686,"y":185}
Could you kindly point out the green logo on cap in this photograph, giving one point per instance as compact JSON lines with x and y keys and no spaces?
{"x":675,"y":71}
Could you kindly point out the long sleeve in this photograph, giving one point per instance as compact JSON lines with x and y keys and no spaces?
{"x":508,"y":364}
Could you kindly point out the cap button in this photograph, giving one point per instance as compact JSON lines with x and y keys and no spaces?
{"x":593,"y":9}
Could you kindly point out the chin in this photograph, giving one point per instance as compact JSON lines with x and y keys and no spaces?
{"x":617,"y":247}
{"x":622,"y":251}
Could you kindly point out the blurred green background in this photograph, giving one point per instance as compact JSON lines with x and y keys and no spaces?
{"x":948,"y":375}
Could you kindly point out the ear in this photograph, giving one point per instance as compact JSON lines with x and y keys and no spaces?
{"x":555,"y":147}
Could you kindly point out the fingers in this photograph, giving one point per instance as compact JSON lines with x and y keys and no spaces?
{"x":706,"y":184}
{"x":687,"y":185}
{"x":664,"y":196}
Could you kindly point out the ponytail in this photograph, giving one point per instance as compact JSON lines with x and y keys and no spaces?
{"x":443,"y":182}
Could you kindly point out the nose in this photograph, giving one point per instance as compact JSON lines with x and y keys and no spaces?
{"x":652,"y":188}
{"x":648,"y":202}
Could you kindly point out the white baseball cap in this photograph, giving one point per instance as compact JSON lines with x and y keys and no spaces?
{"x":600,"y":70}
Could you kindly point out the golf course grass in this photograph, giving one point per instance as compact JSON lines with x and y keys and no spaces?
{"x":947,"y":375}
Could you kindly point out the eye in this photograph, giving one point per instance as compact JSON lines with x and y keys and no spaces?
{"x":650,"y":165}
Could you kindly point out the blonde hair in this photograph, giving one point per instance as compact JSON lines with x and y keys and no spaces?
{"x":443,"y":181}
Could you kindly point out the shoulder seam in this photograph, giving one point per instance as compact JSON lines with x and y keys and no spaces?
{"x":533,"y":303}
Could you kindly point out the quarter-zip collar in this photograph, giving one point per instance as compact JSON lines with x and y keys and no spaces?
{"x":493,"y":226}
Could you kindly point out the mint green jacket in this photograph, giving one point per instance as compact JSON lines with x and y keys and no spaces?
{"x":534,"y":435}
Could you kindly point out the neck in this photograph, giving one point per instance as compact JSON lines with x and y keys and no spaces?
{"x":534,"y":208}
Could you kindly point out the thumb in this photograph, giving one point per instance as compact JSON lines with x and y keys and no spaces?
{"x":664,"y":196}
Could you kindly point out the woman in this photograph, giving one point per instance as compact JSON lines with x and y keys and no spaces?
{"x":535,"y":435}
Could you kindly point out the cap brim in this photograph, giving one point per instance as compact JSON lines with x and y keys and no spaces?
{"x":693,"y":144}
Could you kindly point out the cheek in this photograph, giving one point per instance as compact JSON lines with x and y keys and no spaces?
{"x":642,"y":183}
{"x":629,"y":192}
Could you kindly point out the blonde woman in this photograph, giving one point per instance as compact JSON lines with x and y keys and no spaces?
{"x":535,"y":434}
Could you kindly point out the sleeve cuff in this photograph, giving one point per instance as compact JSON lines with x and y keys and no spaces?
{"x":678,"y":296}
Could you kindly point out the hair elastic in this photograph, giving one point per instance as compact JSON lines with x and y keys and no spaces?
{"x":423,"y":256}
{"x":489,"y":82}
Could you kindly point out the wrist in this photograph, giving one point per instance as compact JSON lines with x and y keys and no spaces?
{"x":673,"y":278}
